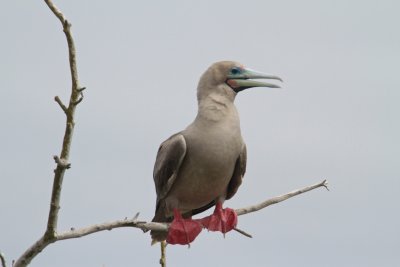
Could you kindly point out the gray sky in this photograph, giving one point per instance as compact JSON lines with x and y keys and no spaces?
{"x":336,"y":118}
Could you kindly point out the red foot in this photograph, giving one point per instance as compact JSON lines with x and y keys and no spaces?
{"x":182,"y":231}
{"x":222,"y":220}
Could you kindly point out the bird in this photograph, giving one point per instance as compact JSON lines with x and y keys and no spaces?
{"x":204,"y":164}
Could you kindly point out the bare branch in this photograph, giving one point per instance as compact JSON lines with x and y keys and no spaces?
{"x":56,"y":11}
{"x":31,"y":252}
{"x":76,"y":233}
{"x":281,"y":198}
{"x":3,"y":260}
{"x":59,"y":173}
{"x":50,"y":234}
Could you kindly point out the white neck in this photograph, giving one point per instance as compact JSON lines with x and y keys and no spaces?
{"x":217,"y":108}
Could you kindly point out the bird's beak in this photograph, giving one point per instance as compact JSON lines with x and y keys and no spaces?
{"x":241,"y":80}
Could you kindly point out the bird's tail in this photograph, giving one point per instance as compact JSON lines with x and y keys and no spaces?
{"x":158,"y":236}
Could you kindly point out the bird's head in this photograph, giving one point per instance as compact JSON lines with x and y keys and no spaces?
{"x":229,"y":78}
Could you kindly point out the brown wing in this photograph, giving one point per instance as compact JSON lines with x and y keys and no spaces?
{"x":238,"y":173}
{"x":169,"y":158}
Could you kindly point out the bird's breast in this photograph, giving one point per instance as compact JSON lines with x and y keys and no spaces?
{"x":208,"y":165}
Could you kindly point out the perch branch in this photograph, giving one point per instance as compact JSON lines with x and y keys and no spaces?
{"x":50,"y":234}
{"x":76,"y":233}
{"x":146,"y":226}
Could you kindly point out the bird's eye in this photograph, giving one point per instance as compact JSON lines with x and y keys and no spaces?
{"x":235,"y":70}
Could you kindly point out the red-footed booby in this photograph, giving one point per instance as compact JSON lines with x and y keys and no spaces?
{"x":204,"y":164}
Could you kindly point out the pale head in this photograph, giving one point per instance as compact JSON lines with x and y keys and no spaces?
{"x":228,"y":78}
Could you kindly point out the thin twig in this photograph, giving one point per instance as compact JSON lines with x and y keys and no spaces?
{"x":242,"y":232}
{"x":281,"y":198}
{"x":163,"y":258}
{"x":61,"y":104}
{"x":3,"y":260}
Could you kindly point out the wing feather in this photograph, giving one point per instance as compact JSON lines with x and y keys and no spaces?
{"x":238,"y":173}
{"x":169,"y":159}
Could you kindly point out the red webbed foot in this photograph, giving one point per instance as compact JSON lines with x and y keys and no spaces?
{"x":222,"y":220}
{"x":183,"y":231}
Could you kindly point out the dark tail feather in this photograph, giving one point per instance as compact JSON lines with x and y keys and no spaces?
{"x":158,"y":236}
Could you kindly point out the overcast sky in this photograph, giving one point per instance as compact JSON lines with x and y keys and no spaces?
{"x":336,"y":118}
